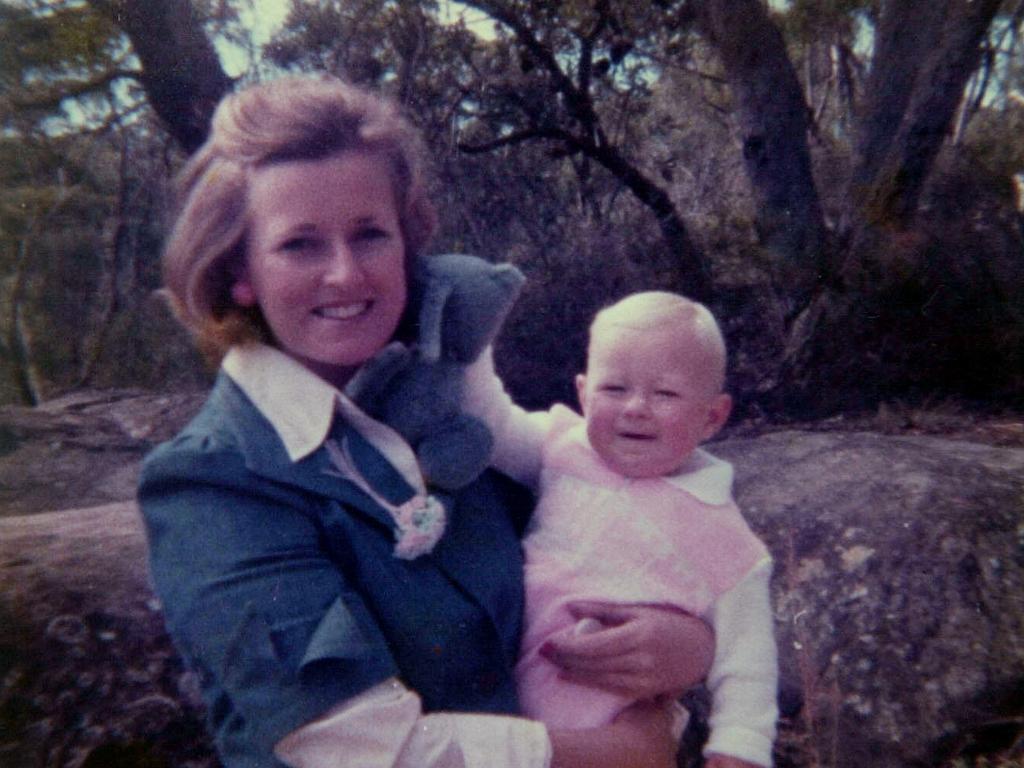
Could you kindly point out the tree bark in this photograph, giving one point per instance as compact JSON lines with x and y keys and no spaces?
{"x":773,"y":120}
{"x":181,"y":73}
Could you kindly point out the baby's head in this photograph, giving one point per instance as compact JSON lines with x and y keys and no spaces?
{"x":652,"y":391}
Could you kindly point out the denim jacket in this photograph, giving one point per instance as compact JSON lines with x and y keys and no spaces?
{"x":280,"y":587}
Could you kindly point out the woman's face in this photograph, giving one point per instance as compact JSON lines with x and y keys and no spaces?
{"x":325,"y":259}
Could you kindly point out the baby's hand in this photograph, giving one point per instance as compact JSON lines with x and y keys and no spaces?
{"x":728,"y":761}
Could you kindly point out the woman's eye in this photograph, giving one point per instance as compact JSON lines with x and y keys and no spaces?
{"x":369,"y":234}
{"x":296,"y":244}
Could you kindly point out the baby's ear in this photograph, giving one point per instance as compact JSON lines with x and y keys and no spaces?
{"x":581,"y":391}
{"x":718,"y":414}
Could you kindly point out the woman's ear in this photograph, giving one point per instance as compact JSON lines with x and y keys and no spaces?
{"x":718,"y":414}
{"x":242,"y":293}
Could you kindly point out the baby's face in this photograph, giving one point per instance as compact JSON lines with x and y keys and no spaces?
{"x":648,"y":400}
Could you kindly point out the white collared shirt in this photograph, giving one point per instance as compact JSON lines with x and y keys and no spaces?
{"x":385,"y":725}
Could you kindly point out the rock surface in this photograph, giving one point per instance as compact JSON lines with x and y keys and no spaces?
{"x":899,"y":598}
{"x":898,"y":592}
{"x":89,"y":677}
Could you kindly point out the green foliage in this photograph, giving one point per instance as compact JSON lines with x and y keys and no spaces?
{"x":993,"y":139}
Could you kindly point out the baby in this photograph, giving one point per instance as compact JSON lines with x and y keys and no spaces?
{"x":632,"y":511}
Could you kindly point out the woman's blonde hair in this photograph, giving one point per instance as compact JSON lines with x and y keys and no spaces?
{"x":292,"y":118}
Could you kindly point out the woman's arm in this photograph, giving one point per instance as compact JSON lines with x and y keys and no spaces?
{"x":640,"y":737}
{"x":640,"y":651}
{"x":386,"y":727}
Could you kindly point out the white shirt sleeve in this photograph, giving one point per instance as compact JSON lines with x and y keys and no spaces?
{"x":384,"y":727}
{"x":518,"y":434}
{"x":744,"y":676}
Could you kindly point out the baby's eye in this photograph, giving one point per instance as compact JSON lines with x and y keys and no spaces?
{"x":667,"y":393}
{"x":613,"y":389}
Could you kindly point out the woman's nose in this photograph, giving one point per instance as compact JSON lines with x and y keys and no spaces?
{"x":342,"y":265}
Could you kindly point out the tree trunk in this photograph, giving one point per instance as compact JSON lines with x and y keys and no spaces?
{"x":925,"y":54}
{"x":23,"y":373}
{"x":181,"y":72}
{"x":115,"y":236}
{"x":773,"y":121}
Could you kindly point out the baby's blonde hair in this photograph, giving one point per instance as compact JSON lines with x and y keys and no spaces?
{"x":688,"y":319}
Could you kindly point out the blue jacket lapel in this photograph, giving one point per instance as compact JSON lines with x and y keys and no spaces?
{"x":265,"y":455}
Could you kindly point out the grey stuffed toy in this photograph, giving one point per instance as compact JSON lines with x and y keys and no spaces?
{"x":459,"y":303}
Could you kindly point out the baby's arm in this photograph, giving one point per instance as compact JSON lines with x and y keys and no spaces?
{"x":744,"y":676}
{"x":518,"y":434}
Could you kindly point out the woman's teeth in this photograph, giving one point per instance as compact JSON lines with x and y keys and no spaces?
{"x":343,"y":312}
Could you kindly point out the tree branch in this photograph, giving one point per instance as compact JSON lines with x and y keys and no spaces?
{"x":578,"y":103}
{"x":49,"y":99}
{"x":516,"y":137}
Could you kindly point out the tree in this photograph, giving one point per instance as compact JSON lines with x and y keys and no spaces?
{"x":915,"y":87}
{"x":83,"y":185}
{"x":181,"y":73}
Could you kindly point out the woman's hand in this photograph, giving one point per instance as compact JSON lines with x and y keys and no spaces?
{"x":639,"y":651}
{"x":640,"y":737}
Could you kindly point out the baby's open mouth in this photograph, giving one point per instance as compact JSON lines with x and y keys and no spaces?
{"x":635,"y":436}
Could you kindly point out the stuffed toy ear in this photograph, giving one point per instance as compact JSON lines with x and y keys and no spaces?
{"x":433,"y":299}
{"x":463,"y":301}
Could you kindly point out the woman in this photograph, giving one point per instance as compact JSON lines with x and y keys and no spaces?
{"x":271,"y":517}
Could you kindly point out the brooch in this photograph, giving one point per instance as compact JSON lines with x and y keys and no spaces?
{"x":421,"y":523}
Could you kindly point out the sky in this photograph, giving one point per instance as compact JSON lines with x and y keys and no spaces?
{"x":267,"y":16}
